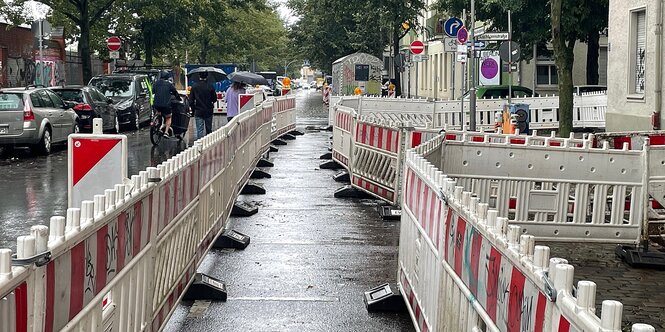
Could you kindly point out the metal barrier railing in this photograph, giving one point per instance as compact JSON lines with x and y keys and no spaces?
{"x":122,"y":261}
{"x":463,"y":268}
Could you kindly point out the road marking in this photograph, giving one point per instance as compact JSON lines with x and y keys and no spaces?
{"x":287,"y":299}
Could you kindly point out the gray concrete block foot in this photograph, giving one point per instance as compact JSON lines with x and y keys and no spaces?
{"x":231,"y":239}
{"x":296,"y":133}
{"x":326,"y":156}
{"x":265,"y":163}
{"x":342,"y":176}
{"x":390,"y":213}
{"x":384,"y":299}
{"x":244,"y":209}
{"x":640,"y":258}
{"x":260,"y":174}
{"x":349,"y":191}
{"x":273,"y":148}
{"x":205,"y":287}
{"x":252,"y":188}
{"x":288,"y":137}
{"x":330,"y":164}
{"x":278,"y":141}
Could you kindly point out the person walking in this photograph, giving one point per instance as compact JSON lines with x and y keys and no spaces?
{"x":164,"y":92}
{"x":202,"y":98}
{"x":232,"y":96}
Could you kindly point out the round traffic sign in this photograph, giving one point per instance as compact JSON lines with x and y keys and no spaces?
{"x":113,"y":43}
{"x":509,"y":51}
{"x":417,"y":47}
{"x":452,"y":25}
{"x":462,"y":35}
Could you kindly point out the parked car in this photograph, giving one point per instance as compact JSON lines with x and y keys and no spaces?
{"x":130,"y":95}
{"x":501,"y":91}
{"x":580,"y":89}
{"x":89,"y":103}
{"x":35,"y":117}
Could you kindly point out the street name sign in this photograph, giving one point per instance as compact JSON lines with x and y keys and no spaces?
{"x":494,"y":36}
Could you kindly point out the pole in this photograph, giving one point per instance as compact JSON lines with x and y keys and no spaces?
{"x":416,"y":80}
{"x":463,"y":121}
{"x":452,"y":68}
{"x":510,"y":59}
{"x":41,"y":52}
{"x":472,"y":103}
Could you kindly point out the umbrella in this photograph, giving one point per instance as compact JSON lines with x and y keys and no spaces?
{"x":248,"y":78}
{"x":214,"y":74}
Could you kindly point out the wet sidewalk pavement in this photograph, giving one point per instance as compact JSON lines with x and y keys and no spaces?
{"x":310,"y":259}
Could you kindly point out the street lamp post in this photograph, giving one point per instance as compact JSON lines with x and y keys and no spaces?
{"x":286,"y":66}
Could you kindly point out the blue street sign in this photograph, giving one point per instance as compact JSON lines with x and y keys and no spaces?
{"x":452,"y":25}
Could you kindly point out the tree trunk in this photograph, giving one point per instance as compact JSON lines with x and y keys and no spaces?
{"x":593,"y":52}
{"x":84,"y":46}
{"x":148,"y":45}
{"x":203,"y":54}
{"x":563,"y":58}
{"x":398,"y":73}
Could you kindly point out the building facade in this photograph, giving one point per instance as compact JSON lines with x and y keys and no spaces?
{"x":441,"y":76}
{"x":635,"y":65}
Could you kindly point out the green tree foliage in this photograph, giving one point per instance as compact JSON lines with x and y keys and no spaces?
{"x":561,"y":22}
{"x":330,"y":29}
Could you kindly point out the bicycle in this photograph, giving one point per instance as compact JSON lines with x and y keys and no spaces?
{"x":179,"y":122}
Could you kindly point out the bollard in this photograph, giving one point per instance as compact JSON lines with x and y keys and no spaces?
{"x":57,"y":231}
{"x":73,"y":223}
{"x":41,"y":235}
{"x":97,"y":126}
{"x":586,"y":295}
{"x":25,"y":246}
{"x":610,"y":316}
{"x":5,"y":264}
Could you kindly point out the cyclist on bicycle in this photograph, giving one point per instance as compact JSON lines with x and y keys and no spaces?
{"x":164,"y":92}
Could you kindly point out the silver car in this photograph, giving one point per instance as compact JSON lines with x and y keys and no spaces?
{"x":35,"y":117}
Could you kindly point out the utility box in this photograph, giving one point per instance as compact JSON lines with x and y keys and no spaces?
{"x":357,"y":70}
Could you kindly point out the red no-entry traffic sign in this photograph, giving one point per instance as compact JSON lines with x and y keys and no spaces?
{"x":417,"y":47}
{"x":113,"y":43}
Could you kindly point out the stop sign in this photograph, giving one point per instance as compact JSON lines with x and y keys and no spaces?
{"x":113,"y":43}
{"x":417,"y":47}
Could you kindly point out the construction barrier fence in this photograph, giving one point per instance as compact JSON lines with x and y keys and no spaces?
{"x":462,"y":267}
{"x":123,"y":260}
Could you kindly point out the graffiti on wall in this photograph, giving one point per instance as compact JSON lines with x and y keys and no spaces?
{"x":344,"y":74}
{"x":24,"y":72}
{"x":20,"y":72}
{"x":52,"y":71}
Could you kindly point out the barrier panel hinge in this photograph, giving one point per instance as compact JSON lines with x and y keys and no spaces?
{"x":154,"y":179}
{"x":39,"y":260}
{"x":550,"y":291}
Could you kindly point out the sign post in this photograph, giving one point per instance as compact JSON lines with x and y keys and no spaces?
{"x":114,"y":43}
{"x":417,"y":47}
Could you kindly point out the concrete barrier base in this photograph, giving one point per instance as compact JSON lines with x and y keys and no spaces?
{"x":330,"y":164}
{"x":640,"y":258}
{"x":243,"y":209}
{"x":273,"y":149}
{"x":296,"y":133}
{"x":205,"y":287}
{"x":342,"y":176}
{"x":384,"y":299}
{"x":288,"y":137}
{"x":349,"y":191}
{"x":260,"y":174}
{"x":252,"y":188}
{"x":326,"y":156}
{"x":390,"y":213}
{"x":231,"y":239}
{"x":265,"y":163}
{"x":278,"y":141}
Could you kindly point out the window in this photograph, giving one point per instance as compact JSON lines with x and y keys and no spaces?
{"x":46,"y":100}
{"x":638,"y":42}
{"x":35,"y":100}
{"x":546,"y":74}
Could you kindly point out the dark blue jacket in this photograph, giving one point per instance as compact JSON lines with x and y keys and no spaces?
{"x":163,"y":91}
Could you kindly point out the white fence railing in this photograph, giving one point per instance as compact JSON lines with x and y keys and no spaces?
{"x":122,"y":261}
{"x":463,"y":268}
{"x":588,"y":111}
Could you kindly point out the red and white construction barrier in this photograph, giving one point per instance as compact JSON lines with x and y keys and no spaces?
{"x":96,"y":162}
{"x":462,"y":268}
{"x":122,"y":261}
{"x":284,"y":115}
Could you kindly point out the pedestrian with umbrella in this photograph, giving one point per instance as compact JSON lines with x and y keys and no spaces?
{"x":240,"y":79}
{"x":202,"y":98}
